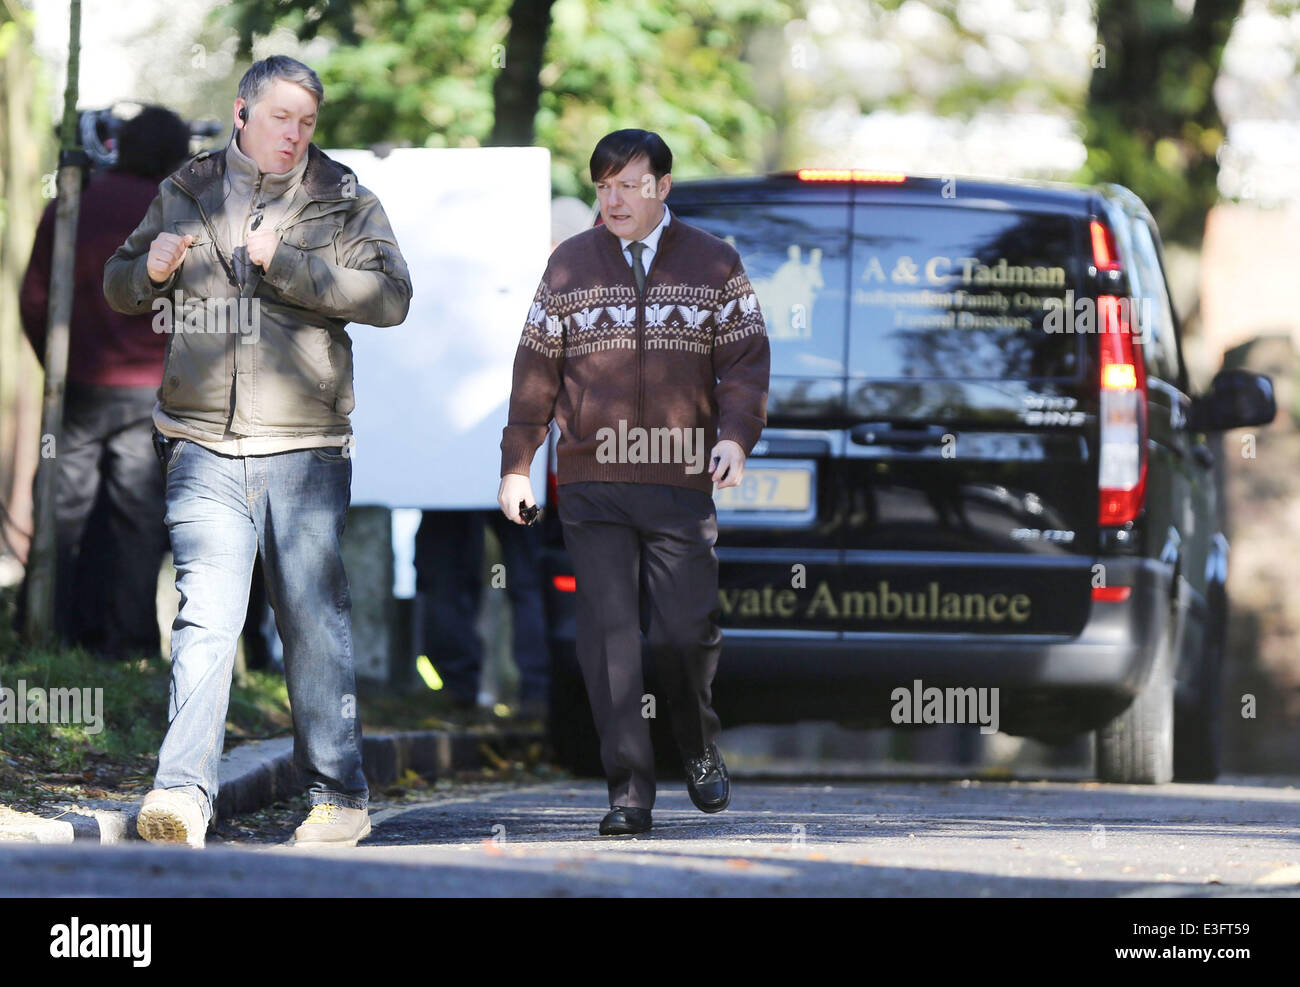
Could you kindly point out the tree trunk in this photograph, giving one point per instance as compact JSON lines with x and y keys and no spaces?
{"x":1152,"y":123}
{"x":517,"y":90}
{"x":41,"y":561}
{"x":22,"y":121}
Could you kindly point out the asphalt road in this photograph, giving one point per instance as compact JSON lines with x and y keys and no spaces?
{"x":860,"y":838}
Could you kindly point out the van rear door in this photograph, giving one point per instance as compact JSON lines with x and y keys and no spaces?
{"x":968,"y":483}
{"x":930,"y":458}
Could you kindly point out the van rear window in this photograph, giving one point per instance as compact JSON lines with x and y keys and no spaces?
{"x":959,"y":292}
{"x":907,"y":291}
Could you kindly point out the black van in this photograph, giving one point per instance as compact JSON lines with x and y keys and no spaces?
{"x":983,"y":469}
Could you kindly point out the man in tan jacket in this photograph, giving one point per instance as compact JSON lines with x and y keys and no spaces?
{"x":254,"y":260}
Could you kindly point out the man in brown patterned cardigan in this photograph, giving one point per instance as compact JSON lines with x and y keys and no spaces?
{"x":646,"y":345}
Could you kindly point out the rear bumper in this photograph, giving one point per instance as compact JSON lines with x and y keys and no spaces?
{"x":1045,"y":681}
{"x":1114,"y":650}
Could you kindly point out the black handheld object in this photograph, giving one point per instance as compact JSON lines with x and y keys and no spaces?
{"x":529,"y":515}
{"x":160,"y":448}
{"x":243,"y":113}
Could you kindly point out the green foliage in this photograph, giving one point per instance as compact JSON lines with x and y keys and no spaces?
{"x":421,"y":74}
{"x":673,"y":68}
{"x":1151,"y":122}
{"x":134,"y":702}
{"x":134,"y":707}
{"x":8,"y":633}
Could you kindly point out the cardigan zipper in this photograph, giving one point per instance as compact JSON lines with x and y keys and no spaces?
{"x":640,"y":328}
{"x":640,"y":340}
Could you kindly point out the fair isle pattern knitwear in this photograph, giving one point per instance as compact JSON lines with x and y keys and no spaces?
{"x":636,"y":382}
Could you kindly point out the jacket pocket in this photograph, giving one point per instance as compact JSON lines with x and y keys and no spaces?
{"x":200,"y":273}
{"x":194,"y":228}
{"x":197,"y":378}
{"x":331,"y":454}
{"x":317,"y":236}
{"x":325,"y":369}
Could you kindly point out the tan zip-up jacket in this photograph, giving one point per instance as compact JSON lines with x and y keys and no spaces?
{"x":337,"y":262}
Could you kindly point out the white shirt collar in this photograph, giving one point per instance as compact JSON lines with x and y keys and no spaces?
{"x":651,"y":239}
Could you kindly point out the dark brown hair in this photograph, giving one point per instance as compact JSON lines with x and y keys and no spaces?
{"x":615,"y":150}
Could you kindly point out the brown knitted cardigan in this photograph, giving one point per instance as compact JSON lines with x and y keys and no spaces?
{"x":601,"y":359}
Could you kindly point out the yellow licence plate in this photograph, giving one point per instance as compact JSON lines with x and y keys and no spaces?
{"x":768,"y":489}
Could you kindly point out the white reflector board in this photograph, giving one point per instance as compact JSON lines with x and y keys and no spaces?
{"x":475,"y":226}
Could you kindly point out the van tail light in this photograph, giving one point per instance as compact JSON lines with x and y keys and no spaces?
{"x":1104,"y":255}
{"x":1122,"y":470}
{"x":1111,"y":594}
{"x":849,"y":175}
{"x":562,"y":583}
{"x":552,"y":486}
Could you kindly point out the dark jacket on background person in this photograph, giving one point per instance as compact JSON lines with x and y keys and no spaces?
{"x":105,"y":348}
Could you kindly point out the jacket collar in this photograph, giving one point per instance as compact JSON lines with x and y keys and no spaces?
{"x":243,"y":175}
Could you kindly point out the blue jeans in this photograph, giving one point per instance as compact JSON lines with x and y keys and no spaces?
{"x":222,"y":511}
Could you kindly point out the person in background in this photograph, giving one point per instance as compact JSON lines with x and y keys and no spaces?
{"x":449,"y":576}
{"x":115,"y":365}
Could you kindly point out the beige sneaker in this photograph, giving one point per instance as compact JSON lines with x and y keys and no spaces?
{"x":332,"y":825}
{"x":171,"y":817}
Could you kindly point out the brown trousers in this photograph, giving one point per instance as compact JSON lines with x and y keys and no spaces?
{"x":643,"y":559}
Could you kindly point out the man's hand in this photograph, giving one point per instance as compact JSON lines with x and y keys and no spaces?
{"x":728,"y":463}
{"x":514,"y":488}
{"x":166,"y":253}
{"x":261,"y":247}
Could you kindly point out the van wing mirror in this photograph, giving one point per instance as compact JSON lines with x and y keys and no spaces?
{"x":1236,"y":398}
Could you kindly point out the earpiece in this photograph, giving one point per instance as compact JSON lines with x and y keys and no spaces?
{"x":243,"y":113}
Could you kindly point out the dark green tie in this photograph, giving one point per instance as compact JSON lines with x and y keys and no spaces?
{"x":638,"y":271}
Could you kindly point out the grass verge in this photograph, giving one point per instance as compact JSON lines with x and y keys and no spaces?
{"x":108,"y":746}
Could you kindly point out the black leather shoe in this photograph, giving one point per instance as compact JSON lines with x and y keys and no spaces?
{"x":625,"y":820}
{"x":707,"y":781}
